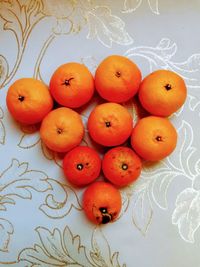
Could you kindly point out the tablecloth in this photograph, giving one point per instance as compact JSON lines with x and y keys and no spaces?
{"x":41,"y":218}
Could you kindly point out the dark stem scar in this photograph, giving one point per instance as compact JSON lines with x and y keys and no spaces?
{"x":159,"y":138}
{"x":124,"y":166}
{"x":59,"y":130}
{"x":106,"y":217}
{"x":21,"y":98}
{"x":108,"y":124}
{"x":79,"y":166}
{"x":168,"y":87}
{"x":118,"y":74}
{"x":67,"y":82}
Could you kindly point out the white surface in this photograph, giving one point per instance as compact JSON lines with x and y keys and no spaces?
{"x":41,"y":216}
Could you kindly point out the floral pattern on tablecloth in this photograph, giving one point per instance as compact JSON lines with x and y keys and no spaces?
{"x":41,"y":217}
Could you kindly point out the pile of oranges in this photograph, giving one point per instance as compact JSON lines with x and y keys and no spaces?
{"x":117,"y":79}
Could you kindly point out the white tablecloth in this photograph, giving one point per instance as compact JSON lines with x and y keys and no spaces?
{"x":41,"y":218}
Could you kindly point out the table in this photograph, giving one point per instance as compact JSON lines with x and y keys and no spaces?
{"x":41,"y":218}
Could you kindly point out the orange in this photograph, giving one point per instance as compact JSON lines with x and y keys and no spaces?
{"x":101,"y":202}
{"x":162,"y":92}
{"x":110,"y":124}
{"x":62,"y":129}
{"x":117,"y":78}
{"x":154,"y":138}
{"x":82,"y":165}
{"x":72,"y":85}
{"x":121,"y":166}
{"x":28,"y":100}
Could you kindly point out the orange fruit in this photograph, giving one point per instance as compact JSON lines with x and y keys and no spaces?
{"x":162,"y":92}
{"x":62,"y":129}
{"x":121,"y":166}
{"x":82,"y":165}
{"x":29,"y":100}
{"x":154,"y":138}
{"x":101,"y":202}
{"x":72,"y":85}
{"x":117,"y":78}
{"x":110,"y":124}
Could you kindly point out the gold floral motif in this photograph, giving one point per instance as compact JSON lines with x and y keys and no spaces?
{"x":61,"y":10}
{"x":20,"y":19}
{"x":60,"y":200}
{"x":62,"y":247}
{"x":17,"y":181}
{"x":6,"y":231}
{"x":58,"y":248}
{"x":132,"y":5}
{"x":2,"y":128}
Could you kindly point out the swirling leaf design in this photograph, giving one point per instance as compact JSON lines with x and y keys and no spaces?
{"x":51,"y":252}
{"x":29,"y":140}
{"x":183,"y":160}
{"x":156,"y":179}
{"x":2,"y":128}
{"x":3,"y":70}
{"x":60,"y":200}
{"x":153,"y":4}
{"x":101,"y":252}
{"x":107,"y":27}
{"x":63,"y":9}
{"x":6,"y":230}
{"x":18,"y":181}
{"x":78,"y":17}
{"x":196,"y":180}
{"x":132,"y":5}
{"x":20,"y":19}
{"x":58,"y":248}
{"x":160,"y":177}
{"x":177,"y":165}
{"x":187,"y":213}
{"x":160,"y":57}
{"x":142,"y":211}
{"x":31,"y":136}
{"x":14,"y":17}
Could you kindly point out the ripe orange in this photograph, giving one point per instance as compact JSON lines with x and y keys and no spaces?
{"x":162,"y":92}
{"x":101,"y":202}
{"x":110,"y":124}
{"x":117,"y":78}
{"x":62,"y":129}
{"x":29,"y":100}
{"x":154,"y":138}
{"x":121,"y":166}
{"x":72,"y":85}
{"x":82,"y":165}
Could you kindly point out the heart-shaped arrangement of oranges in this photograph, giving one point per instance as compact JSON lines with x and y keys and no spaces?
{"x":117,"y":79}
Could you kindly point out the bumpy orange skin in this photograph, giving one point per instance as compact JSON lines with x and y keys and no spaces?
{"x":121,"y":166}
{"x":29,"y":100}
{"x":72,"y":85}
{"x":102,"y":202}
{"x":82,"y":165}
{"x":110,"y":124}
{"x":117,"y":79}
{"x":62,"y":129}
{"x":154,"y":138}
{"x":162,"y":92}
